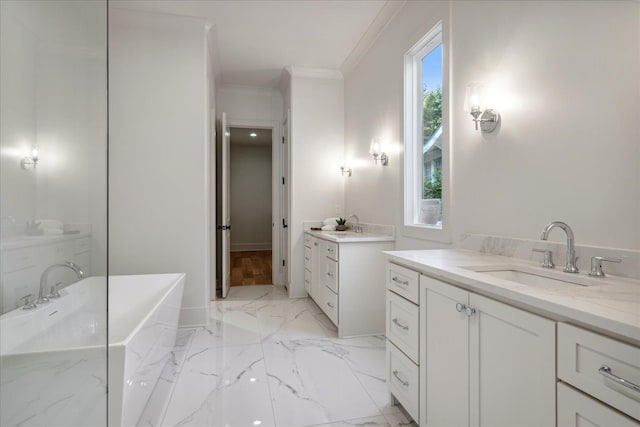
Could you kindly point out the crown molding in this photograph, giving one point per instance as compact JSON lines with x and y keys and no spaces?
{"x":316,"y":73}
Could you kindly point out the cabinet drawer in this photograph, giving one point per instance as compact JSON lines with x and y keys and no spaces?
{"x":582,"y":356}
{"x":402,"y":325}
{"x":307,"y":258}
{"x":576,"y":409}
{"x":329,"y":304}
{"x":331,"y":250}
{"x":82,"y":245}
{"x":403,"y":281}
{"x":307,"y":281}
{"x":331,"y":275}
{"x":18,"y":259}
{"x":402,"y":380}
{"x":307,"y":240}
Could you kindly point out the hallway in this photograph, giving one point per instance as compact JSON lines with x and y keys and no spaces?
{"x":251,"y":268}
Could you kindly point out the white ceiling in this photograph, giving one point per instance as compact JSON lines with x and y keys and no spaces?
{"x":242,"y":136}
{"x":258,"y":38}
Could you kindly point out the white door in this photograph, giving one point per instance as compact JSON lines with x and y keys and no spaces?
{"x":284,"y":206}
{"x":225,"y":226}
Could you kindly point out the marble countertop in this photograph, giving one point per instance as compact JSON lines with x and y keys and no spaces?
{"x":609,"y":305}
{"x":350,"y":236}
{"x":16,"y":242}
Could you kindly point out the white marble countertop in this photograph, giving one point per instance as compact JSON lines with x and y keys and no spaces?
{"x":16,"y":242}
{"x":350,"y":236}
{"x":609,"y":305}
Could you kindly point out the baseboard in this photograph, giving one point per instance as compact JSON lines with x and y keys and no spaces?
{"x":193,"y":317}
{"x":244,"y":247}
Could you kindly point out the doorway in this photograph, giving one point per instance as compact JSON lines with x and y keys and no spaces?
{"x":250,"y":169}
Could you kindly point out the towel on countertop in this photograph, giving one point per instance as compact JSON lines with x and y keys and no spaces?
{"x":330,"y":221}
{"x":47,"y":224}
{"x":329,"y":227}
{"x":52,"y":231}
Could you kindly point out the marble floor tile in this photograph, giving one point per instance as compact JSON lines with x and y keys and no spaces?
{"x":311,"y":383}
{"x":268,"y":360}
{"x":221,"y":386}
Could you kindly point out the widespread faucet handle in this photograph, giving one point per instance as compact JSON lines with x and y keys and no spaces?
{"x":596,"y":265}
{"x":54,"y":291}
{"x":29,"y":304}
{"x":548,"y":257}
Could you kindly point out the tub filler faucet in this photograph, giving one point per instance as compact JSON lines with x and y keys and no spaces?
{"x":570,"y":267}
{"x":45,"y":274}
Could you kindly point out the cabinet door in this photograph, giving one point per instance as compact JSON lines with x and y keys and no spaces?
{"x":444,"y":355}
{"x":512,"y":373}
{"x":576,"y":409}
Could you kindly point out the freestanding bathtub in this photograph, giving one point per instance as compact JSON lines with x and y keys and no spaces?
{"x":53,"y":358}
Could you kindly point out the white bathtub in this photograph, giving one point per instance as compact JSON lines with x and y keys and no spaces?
{"x":53,"y":359}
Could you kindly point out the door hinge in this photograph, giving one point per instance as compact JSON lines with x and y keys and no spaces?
{"x":283,"y":263}
{"x":283,"y":180}
{"x":224,"y":227}
{"x":283,"y":139}
{"x":284,"y":223}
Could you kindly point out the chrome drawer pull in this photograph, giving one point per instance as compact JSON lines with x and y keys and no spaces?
{"x":403,"y":382}
{"x":329,"y":274}
{"x":330,"y":250}
{"x":400,"y":282}
{"x":397,"y":322}
{"x":606,"y":371}
{"x":329,"y":304}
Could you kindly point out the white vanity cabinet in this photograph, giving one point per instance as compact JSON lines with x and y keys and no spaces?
{"x":346,"y":280}
{"x":484,"y":363}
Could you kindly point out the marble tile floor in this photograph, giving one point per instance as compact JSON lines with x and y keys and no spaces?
{"x":269,"y":360}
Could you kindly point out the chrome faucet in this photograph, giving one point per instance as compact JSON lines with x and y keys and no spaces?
{"x":43,"y":279}
{"x":357,"y":228}
{"x":570,"y":267}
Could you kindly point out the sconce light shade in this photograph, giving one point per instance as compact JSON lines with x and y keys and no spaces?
{"x":31,"y":160}
{"x":473,"y":97}
{"x":474,"y":101}
{"x":378,"y":151}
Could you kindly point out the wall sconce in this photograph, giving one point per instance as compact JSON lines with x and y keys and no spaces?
{"x":32,"y":159}
{"x":473,"y":100}
{"x":378,"y":151}
{"x":344,"y":170}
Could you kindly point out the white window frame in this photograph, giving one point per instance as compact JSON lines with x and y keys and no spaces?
{"x":413,"y":138}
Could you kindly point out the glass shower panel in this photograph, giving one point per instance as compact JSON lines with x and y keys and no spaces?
{"x":53,"y":208}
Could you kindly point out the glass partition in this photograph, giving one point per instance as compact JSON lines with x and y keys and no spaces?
{"x":53,"y":208}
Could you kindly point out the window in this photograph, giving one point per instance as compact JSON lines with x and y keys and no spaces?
{"x":426,"y":138}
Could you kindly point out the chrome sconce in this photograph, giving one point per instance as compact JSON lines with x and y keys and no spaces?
{"x":487,"y":119}
{"x":346,"y":170}
{"x":379,"y":152}
{"x":30,"y":160}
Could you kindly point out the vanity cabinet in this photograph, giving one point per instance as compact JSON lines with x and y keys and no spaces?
{"x":600,"y":367}
{"x":346,"y":280}
{"x":484,"y":363}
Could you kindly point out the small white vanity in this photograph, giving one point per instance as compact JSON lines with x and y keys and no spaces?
{"x":344,"y":276}
{"x":485,"y":340}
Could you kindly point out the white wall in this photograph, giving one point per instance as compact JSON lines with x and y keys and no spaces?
{"x":53,"y":86}
{"x":250,"y":104}
{"x":317,"y":151}
{"x":566,"y":80}
{"x":250,"y":170}
{"x":159,"y":194}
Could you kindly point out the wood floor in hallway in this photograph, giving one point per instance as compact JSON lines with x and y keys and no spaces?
{"x":251,"y":268}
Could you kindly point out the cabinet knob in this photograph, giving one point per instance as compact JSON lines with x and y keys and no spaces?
{"x":460,"y":307}
{"x":470,"y":311}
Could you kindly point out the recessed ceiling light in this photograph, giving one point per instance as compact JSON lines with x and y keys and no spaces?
{"x":253,"y":134}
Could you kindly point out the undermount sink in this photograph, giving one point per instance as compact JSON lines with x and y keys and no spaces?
{"x":530,"y":276}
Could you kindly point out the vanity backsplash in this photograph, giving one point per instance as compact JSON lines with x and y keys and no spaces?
{"x":523,"y":249}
